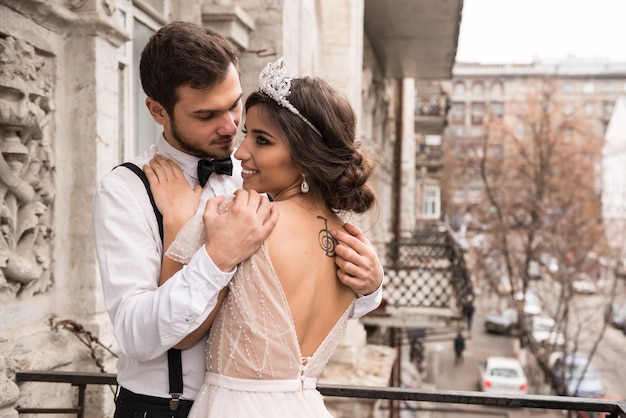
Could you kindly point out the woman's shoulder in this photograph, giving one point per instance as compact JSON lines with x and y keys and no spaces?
{"x":294,"y":217}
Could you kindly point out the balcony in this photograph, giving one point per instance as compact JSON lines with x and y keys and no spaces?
{"x":429,"y":157}
{"x":431,"y":107}
{"x":395,"y":397}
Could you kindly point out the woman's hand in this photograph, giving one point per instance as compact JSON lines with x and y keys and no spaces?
{"x":176,"y":200}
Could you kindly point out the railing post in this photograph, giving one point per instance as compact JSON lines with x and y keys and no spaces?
{"x":81,"y":400}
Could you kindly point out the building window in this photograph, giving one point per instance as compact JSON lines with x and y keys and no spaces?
{"x":458,"y":130}
{"x":496,"y":109}
{"x":431,"y":202}
{"x":475,"y":196}
{"x":608,"y":86}
{"x":137,"y":129}
{"x":478,"y":89}
{"x":458,"y":197}
{"x":588,"y":108}
{"x":459,"y":88}
{"x":477,"y":131}
{"x":478,"y":113}
{"x":568,"y":87}
{"x":457,"y":113}
{"x":497,"y":90}
{"x":588,"y":87}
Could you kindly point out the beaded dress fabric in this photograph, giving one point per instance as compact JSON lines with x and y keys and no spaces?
{"x":254,"y":363}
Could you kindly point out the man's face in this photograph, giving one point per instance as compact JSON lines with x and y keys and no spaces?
{"x":205,"y":121}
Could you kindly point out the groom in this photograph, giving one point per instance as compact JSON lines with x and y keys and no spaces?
{"x":191,"y":78}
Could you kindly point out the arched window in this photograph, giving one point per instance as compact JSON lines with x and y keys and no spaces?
{"x":497,"y":90}
{"x":459,"y":88}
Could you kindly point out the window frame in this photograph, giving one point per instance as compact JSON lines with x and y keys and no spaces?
{"x":129,"y":13}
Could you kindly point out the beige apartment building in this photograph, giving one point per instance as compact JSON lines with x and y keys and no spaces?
{"x":481,"y":94}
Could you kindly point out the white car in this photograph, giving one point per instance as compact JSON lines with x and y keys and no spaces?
{"x":502,"y":375}
{"x":584,"y":286}
{"x":545,"y":332}
{"x":532,"y":302}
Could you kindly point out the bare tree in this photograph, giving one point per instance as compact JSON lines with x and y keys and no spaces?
{"x":539,"y":171}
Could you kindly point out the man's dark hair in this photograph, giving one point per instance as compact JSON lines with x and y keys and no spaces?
{"x":183,"y":53}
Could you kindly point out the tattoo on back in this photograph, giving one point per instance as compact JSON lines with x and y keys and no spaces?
{"x":326,"y":240}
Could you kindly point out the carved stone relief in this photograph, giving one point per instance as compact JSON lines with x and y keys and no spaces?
{"x":26,"y":168}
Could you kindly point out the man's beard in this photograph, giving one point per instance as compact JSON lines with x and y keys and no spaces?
{"x":187,"y":147}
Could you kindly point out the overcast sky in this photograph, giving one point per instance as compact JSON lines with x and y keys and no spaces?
{"x":515,"y":31}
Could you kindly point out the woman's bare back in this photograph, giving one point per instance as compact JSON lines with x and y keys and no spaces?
{"x":301,"y":249}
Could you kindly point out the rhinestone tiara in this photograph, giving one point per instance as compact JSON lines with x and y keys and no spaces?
{"x":275,"y":83}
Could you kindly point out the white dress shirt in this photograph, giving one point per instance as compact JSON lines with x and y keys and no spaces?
{"x":147,"y":319}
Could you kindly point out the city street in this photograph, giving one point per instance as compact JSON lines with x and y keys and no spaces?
{"x":480,"y":345}
{"x":465,"y":376}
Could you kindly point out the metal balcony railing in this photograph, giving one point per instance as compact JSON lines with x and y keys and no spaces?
{"x":614,"y":409}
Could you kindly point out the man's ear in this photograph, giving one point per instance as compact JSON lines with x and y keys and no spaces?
{"x":157,"y":111}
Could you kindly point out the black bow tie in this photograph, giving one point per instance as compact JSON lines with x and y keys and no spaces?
{"x":206,"y":167}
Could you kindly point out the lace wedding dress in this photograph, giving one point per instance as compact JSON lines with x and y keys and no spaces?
{"x":254,"y":364}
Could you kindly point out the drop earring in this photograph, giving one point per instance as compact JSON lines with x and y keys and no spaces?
{"x":304,"y":186}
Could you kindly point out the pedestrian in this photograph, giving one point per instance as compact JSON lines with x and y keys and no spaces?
{"x":459,"y":347}
{"x":191,"y":78}
{"x":468,"y":311}
{"x":280,"y":319}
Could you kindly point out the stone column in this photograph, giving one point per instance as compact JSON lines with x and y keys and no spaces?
{"x":408,"y":189}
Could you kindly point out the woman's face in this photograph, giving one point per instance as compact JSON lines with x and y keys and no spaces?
{"x":267,"y":166}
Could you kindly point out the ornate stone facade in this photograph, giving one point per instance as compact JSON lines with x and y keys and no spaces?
{"x":27,"y":167}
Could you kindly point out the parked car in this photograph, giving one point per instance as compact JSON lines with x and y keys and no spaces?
{"x":532,"y":302}
{"x":502,"y":375}
{"x":550,"y":262}
{"x":543,"y":330}
{"x":615,"y":314}
{"x":506,"y":286}
{"x":584,"y":286}
{"x":505,"y":322}
{"x":571,"y":373}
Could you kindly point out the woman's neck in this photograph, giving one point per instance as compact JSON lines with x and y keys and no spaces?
{"x":287,"y":193}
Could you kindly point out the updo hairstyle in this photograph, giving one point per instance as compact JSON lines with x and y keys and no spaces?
{"x":335,"y":167}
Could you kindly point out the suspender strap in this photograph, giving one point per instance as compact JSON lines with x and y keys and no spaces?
{"x":174,"y":360}
{"x":175,"y":366}
{"x":144,"y":179}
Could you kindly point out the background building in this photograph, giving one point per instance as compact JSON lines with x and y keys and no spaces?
{"x":614,"y":179}
{"x":488,"y":97}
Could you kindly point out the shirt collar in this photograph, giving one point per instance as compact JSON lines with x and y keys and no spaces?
{"x":188,"y":163}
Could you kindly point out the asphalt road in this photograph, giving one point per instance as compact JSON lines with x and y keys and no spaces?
{"x":449,"y":376}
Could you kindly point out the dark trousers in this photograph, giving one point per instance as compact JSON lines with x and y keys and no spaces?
{"x":132,"y":405}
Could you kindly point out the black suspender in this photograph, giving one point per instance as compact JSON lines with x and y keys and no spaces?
{"x":174,"y":360}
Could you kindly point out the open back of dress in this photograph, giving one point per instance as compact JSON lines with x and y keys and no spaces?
{"x":254,"y":362}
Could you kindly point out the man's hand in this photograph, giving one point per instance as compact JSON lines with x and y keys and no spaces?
{"x":359,"y":266}
{"x":238,"y":233}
